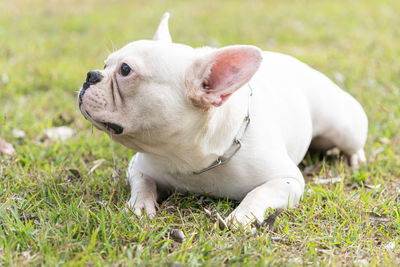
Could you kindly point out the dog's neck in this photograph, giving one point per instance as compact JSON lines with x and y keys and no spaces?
{"x":196,"y":142}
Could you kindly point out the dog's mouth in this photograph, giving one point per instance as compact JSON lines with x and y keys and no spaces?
{"x":111,"y":127}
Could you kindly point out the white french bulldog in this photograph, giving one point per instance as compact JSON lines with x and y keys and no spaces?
{"x":231,"y":122}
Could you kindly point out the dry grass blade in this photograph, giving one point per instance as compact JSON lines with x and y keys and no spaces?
{"x":208,"y":213}
{"x":373,"y":186}
{"x":221,"y":222}
{"x":375,"y":153}
{"x":379,"y":219}
{"x":332,"y":180}
{"x":96,"y":164}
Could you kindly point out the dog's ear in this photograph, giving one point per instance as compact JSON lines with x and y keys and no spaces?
{"x":214,"y":77}
{"x":162,"y":33}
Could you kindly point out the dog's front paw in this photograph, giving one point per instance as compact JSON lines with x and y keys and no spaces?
{"x":143,"y":204}
{"x":242,"y":219}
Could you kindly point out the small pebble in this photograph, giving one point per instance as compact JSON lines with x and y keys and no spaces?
{"x":61,"y":133}
{"x":177,"y":235}
{"x":390,"y":246}
{"x":253,"y":230}
{"x":6,"y":148}
{"x":17,"y":133}
{"x":4,"y":78}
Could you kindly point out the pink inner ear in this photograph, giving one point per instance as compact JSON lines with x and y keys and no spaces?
{"x":212,"y":79}
{"x":232,"y":68}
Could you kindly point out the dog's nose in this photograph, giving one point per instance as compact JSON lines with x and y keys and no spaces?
{"x":93,"y":77}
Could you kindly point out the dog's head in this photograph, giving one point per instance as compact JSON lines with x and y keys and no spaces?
{"x":154,"y":88}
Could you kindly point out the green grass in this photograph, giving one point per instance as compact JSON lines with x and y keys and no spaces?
{"x":50,"y":217}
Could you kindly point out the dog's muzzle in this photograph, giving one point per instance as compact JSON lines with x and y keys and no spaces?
{"x":92,"y":77}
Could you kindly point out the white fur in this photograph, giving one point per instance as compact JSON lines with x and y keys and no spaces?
{"x":292,"y":104}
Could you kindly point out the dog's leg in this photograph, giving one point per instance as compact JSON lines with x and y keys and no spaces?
{"x":278,"y":193}
{"x":357,"y":159}
{"x":143,"y":193}
{"x":341,"y":123}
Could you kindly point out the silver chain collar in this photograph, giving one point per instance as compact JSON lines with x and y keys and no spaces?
{"x":236,"y":144}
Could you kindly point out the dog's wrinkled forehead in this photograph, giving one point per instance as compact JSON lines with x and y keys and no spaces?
{"x":149,"y":55}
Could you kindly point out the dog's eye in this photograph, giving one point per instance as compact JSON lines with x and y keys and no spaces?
{"x":125,"y":69}
{"x":105,"y":66}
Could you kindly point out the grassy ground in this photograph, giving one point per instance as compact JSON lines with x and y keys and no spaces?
{"x":51,"y":216}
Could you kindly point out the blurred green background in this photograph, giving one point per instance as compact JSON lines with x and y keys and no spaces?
{"x":48,"y":46}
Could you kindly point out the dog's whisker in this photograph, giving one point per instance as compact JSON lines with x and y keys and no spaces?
{"x":112,"y":151}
